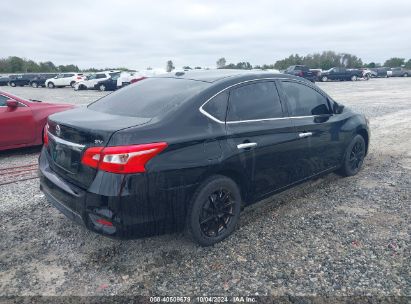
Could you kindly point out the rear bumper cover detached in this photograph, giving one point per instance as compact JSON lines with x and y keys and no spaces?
{"x":129,"y":214}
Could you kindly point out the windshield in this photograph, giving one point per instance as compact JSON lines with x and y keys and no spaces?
{"x":148,"y":98}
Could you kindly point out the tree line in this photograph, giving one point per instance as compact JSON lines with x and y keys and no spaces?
{"x":14,"y":64}
{"x":324,"y":60}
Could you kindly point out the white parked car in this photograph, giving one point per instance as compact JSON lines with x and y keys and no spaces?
{"x":91,"y":80}
{"x":64,"y":80}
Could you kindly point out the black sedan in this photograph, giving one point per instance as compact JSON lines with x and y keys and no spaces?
{"x":189,"y":151}
{"x":109,"y":84}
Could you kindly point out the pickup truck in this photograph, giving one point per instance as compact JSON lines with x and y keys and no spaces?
{"x":341,"y":74}
{"x":302,"y":71}
{"x":21,"y":79}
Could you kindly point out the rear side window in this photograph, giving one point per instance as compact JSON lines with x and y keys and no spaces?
{"x":217,"y":106}
{"x":303,"y":100}
{"x":149,"y":97}
{"x":254,"y":101}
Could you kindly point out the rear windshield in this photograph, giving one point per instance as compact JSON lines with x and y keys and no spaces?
{"x":149,"y":97}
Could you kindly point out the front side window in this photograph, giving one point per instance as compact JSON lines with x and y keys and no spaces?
{"x":254,"y":101}
{"x":303,"y":100}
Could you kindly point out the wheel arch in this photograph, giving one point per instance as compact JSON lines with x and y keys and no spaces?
{"x":364,"y":133}
{"x":239,"y":179}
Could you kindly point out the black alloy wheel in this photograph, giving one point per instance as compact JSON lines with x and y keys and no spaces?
{"x":354,"y":156}
{"x":357,"y":155}
{"x":217,"y":212}
{"x":214,"y":211}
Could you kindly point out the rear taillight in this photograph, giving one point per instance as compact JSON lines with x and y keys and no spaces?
{"x":122,"y":159}
{"x":45,"y":135}
{"x":134,"y":80}
{"x":79,"y":77}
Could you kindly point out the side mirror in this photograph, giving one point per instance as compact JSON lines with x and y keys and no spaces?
{"x":337,"y":108}
{"x":12,"y":103}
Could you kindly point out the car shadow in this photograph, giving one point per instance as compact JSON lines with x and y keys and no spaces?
{"x":21,"y":151}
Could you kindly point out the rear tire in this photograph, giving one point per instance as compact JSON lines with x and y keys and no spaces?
{"x":51,"y":85}
{"x":405,"y":75}
{"x":324,"y":78}
{"x":12,"y":84}
{"x":72,"y":84}
{"x":354,"y":157}
{"x":102,"y":87}
{"x":34,"y":84}
{"x":214,"y":211}
{"x":353,"y":78}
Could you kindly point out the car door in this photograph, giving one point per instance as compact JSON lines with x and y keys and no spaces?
{"x":16,"y":124}
{"x":58,"y":80}
{"x":67,"y":79}
{"x":318,"y":128}
{"x":262,"y":139}
{"x":99,"y":77}
{"x":336,"y":74}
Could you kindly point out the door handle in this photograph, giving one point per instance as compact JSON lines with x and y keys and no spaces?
{"x":246,"y":146}
{"x":305,"y":134}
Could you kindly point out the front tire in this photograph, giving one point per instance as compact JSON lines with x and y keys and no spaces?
{"x":34,"y":84}
{"x":405,"y":75}
{"x":72,"y":84}
{"x":354,"y":156}
{"x":353,"y":78}
{"x":102,"y":87}
{"x":324,"y":78}
{"x":12,"y":84}
{"x":50,"y":85}
{"x":214,"y":211}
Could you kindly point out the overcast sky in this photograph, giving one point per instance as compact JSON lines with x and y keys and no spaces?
{"x":138,"y":34}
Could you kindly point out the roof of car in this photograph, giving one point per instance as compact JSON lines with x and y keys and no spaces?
{"x":222,"y":74}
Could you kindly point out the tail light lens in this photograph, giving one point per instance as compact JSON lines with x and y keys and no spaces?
{"x":45,"y":135}
{"x":134,"y":80}
{"x":122,"y":159}
{"x":79,"y":77}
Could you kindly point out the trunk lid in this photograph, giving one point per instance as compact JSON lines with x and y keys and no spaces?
{"x":72,"y":132}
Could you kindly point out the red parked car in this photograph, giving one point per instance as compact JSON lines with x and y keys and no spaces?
{"x":22,"y":121}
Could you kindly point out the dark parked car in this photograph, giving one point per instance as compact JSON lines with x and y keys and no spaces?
{"x":301,"y":71}
{"x":21,"y":79}
{"x":399,"y":72}
{"x":40,"y":80}
{"x":4,"y":80}
{"x":190,"y":151}
{"x":381,"y":72}
{"x":109,"y":84}
{"x":341,"y":74}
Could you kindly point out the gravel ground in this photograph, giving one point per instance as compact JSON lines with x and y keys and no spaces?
{"x":331,"y":236}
